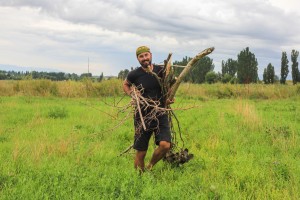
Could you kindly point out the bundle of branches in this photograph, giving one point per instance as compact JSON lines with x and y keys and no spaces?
{"x":169,"y":86}
{"x":141,"y":104}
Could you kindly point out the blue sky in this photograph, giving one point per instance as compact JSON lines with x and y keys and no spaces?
{"x":62,"y":35}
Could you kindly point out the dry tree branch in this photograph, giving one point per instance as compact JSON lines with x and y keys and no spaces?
{"x":118,"y":125}
{"x":114,"y":117}
{"x":137,"y":103}
{"x":126,"y":150}
{"x":187,"y":69}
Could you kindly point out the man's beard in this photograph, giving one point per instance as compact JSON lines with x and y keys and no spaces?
{"x":145,"y":63}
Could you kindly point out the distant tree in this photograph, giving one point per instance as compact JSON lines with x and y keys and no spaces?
{"x":67,"y":76}
{"x":178,"y":70}
{"x":10,"y":75}
{"x":101,"y":77}
{"x":200,"y":69}
{"x":126,"y":72}
{"x":55,"y":76}
{"x":284,"y":68}
{"x":219,"y":77}
{"x":74,"y":77}
{"x":269,"y":74}
{"x":123,"y":74}
{"x":265,"y":79}
{"x":247,"y":67}
{"x":133,"y":68}
{"x":27,"y":76}
{"x":3,"y":75}
{"x":86,"y":75}
{"x":60,"y":76}
{"x":295,"y":70}
{"x":229,"y":67}
{"x":35,"y":75}
{"x":211,"y":77}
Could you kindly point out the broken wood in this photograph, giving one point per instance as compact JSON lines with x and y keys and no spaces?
{"x":185,"y":71}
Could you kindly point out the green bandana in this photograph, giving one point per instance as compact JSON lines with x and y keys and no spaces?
{"x":142,"y":49}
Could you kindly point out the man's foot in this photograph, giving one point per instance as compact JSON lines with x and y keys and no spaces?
{"x":149,"y":167}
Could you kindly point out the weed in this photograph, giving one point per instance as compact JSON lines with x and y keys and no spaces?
{"x":281,"y":171}
{"x":213,"y":193}
{"x":57,"y":112}
{"x":3,"y":139}
{"x":279,"y":131}
{"x":226,"y":93}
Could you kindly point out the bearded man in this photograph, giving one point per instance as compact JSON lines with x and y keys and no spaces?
{"x":148,"y":86}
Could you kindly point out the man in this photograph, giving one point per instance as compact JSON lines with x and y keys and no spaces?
{"x":149,"y":87}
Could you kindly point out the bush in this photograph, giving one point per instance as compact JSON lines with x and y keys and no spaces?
{"x":225,"y":93}
{"x":226,"y":78}
{"x":211,"y":77}
{"x":233,"y":80}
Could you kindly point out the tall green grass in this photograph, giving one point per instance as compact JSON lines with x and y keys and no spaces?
{"x":47,"y":88}
{"x":67,"y":148}
{"x":248,"y":91}
{"x":113,"y":87}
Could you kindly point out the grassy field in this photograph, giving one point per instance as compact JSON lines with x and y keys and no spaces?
{"x":67,"y":148}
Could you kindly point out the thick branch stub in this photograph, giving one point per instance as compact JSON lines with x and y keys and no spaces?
{"x":187,"y":69}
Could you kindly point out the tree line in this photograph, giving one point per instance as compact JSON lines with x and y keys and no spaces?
{"x":54,"y":76}
{"x":243,"y":70}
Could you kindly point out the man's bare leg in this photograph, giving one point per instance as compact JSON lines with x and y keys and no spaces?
{"x":139,"y":162}
{"x":159,"y":153}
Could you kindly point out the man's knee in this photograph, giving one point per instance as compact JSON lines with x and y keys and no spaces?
{"x":165,"y":145}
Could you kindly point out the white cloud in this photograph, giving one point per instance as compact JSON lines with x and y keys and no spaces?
{"x":63,"y":34}
{"x":291,"y":6}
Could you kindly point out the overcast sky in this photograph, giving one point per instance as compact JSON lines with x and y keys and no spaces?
{"x":63,"y":34}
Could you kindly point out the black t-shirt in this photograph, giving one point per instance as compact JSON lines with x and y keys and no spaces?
{"x":147,"y":83}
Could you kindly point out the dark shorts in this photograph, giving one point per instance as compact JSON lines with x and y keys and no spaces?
{"x":159,"y":128}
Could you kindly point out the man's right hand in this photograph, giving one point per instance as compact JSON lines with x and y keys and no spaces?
{"x":170,"y":101}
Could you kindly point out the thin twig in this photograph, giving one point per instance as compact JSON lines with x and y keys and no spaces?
{"x":118,"y":125}
{"x":126,"y":150}
{"x":114,"y":117}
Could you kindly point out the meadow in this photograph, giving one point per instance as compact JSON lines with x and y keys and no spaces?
{"x":62,"y":140}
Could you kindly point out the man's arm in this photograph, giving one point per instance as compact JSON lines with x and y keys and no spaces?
{"x":127,"y":87}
